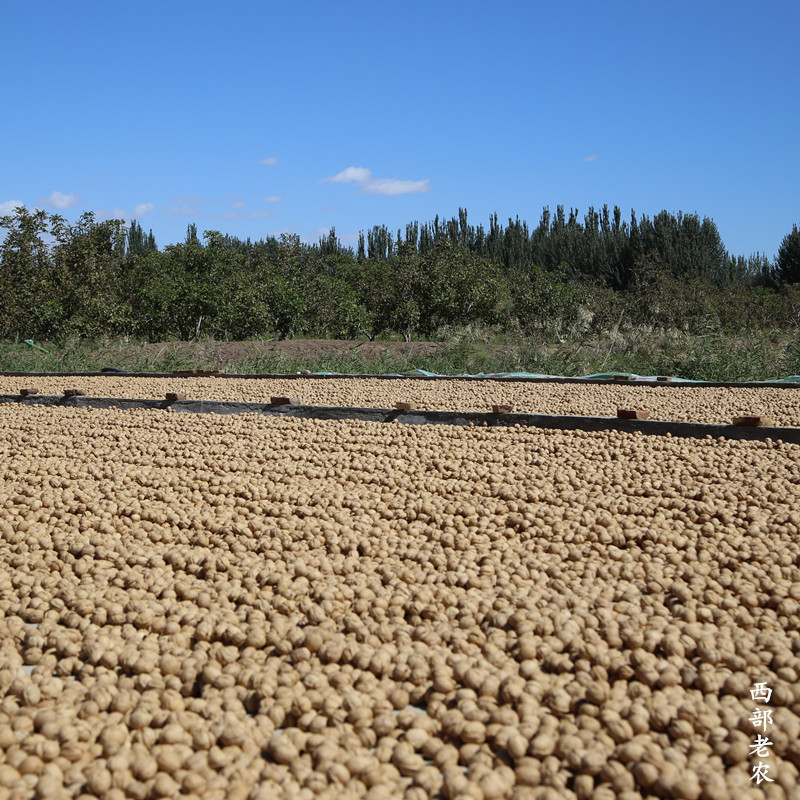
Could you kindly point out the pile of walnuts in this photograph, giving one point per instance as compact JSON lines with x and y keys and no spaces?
{"x":251,"y":607}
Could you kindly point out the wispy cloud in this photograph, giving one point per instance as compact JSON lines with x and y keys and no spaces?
{"x":362,"y":178}
{"x":391,"y":186}
{"x":357,"y":175}
{"x":269,"y":162}
{"x":123,"y":213}
{"x":8,"y":207}
{"x":142,"y":209}
{"x":183,"y":210}
{"x":589,"y":158}
{"x":61,"y":201}
{"x":234,"y":205}
{"x":273,"y":198}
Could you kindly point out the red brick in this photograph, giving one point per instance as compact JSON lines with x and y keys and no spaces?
{"x":632,"y":413}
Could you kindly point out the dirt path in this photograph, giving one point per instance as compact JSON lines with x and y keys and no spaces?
{"x":224,"y":352}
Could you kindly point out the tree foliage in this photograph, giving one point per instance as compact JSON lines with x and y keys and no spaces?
{"x":788,"y":261}
{"x":96,"y":278}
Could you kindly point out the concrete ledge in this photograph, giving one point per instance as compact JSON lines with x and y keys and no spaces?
{"x":419,"y":417}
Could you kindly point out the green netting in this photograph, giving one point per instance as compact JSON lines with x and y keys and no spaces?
{"x":424,"y":373}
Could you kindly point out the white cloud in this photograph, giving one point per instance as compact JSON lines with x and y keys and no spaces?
{"x":269,"y":162}
{"x":8,"y":207}
{"x":142,"y":209}
{"x":590,"y":158}
{"x":362,"y":177}
{"x":184,"y":199}
{"x":394,"y":186}
{"x":237,"y":204}
{"x":61,"y":201}
{"x":123,"y":213}
{"x":357,"y":175}
{"x":273,"y":198}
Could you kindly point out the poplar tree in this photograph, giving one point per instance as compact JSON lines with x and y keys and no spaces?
{"x":788,"y":261}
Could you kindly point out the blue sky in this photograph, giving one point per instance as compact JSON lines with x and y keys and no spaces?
{"x":254,"y":118}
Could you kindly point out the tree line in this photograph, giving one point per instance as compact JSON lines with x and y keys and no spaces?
{"x":95,"y":279}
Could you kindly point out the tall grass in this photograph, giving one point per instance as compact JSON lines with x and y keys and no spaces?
{"x":701,"y":356}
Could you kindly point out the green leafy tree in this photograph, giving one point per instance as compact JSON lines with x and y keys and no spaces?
{"x":29,"y":304}
{"x":459,"y":288}
{"x":226,"y":306}
{"x":285,"y":305}
{"x":187,"y":287}
{"x":154,"y":294}
{"x":788,"y":260}
{"x":407,"y":292}
{"x":664,"y":301}
{"x":285,"y":290}
{"x":209,"y":287}
{"x":88,"y":260}
{"x":545,"y":302}
{"x":335,"y":305}
{"x":374,"y":283}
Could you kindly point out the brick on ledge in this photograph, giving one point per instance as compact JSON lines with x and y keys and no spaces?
{"x":632,"y":413}
{"x":753,"y":421}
